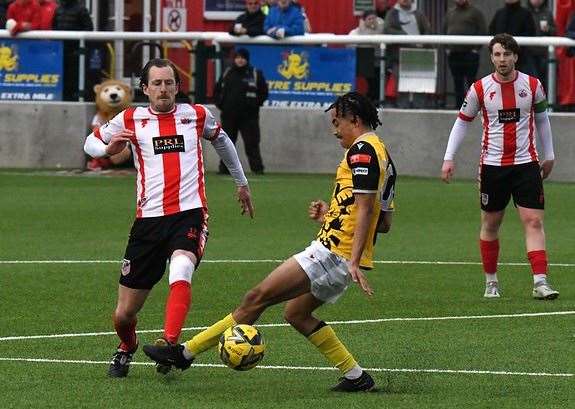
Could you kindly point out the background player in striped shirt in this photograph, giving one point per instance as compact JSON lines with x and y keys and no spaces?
{"x":322,"y":272}
{"x":513,"y":109}
{"x":171,"y":208}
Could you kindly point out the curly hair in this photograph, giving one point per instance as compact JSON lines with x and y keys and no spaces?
{"x":355,"y":104}
{"x":506,"y":40}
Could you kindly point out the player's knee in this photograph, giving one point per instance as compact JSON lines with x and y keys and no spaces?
{"x":123,"y":315}
{"x":533,"y":222}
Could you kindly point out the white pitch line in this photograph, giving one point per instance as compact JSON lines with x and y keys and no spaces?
{"x":310,"y":368}
{"x":241,"y":261}
{"x":349,"y":322}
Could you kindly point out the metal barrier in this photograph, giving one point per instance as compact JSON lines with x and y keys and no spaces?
{"x":218,"y":38}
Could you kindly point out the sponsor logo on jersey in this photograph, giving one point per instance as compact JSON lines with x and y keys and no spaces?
{"x":359,"y":171}
{"x":125,"y":267}
{"x":185,"y":121}
{"x":508,"y":115}
{"x":360,"y":158}
{"x":168,"y":144}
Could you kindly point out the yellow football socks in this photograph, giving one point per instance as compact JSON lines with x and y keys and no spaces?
{"x":331,"y":347}
{"x":210,"y":336}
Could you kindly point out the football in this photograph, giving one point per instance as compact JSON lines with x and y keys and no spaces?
{"x":241,"y":347}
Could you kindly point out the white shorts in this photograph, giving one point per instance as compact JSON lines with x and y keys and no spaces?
{"x":327,"y":272}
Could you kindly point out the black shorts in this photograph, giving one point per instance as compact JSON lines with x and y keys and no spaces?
{"x":498,"y":183}
{"x":153,"y":240}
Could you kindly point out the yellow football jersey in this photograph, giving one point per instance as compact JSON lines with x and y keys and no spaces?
{"x":365,"y":168}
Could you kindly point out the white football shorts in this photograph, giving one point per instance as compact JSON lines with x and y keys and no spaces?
{"x":327,"y":272}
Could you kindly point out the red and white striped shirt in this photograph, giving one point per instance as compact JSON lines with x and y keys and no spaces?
{"x":167,"y":155}
{"x":508,"y":117}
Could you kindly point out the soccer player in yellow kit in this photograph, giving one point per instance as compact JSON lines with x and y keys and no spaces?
{"x":361,"y":206}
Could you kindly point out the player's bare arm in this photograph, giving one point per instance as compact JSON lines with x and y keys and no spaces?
{"x":119,"y":141}
{"x":546,"y":168}
{"x":447,"y":170}
{"x":317,"y":210}
{"x":364,"y":207}
{"x":245,"y":200}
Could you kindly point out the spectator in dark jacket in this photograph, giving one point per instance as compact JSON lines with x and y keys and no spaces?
{"x":3,"y":10}
{"x":545,"y":26}
{"x":284,"y":19}
{"x":239,"y":93}
{"x":251,"y":22}
{"x":464,"y":19}
{"x":71,"y":16}
{"x":517,"y":21}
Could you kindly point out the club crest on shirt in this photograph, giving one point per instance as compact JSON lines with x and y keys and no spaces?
{"x":484,"y":199}
{"x":168,"y":144}
{"x":125,"y":267}
{"x":522,"y":93}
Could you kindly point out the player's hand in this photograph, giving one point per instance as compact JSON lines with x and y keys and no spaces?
{"x":358,"y":277}
{"x":447,"y":170}
{"x":119,"y":141}
{"x":317,"y":210}
{"x":245,"y":200}
{"x":546,"y":168}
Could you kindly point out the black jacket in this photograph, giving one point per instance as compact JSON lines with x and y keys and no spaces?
{"x":253,"y":22}
{"x":241,"y":91}
{"x":513,"y":19}
{"x":72,"y":16}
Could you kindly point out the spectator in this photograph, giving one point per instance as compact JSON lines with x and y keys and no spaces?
{"x":381,"y":8}
{"x":403,"y":18}
{"x":306,"y":22}
{"x":284,"y":19}
{"x":570,"y":33}
{"x":239,"y":93}
{"x":251,"y":22}
{"x":71,"y":16}
{"x":517,"y":21}
{"x":464,"y":19}
{"x":544,"y":26}
{"x":367,"y":63}
{"x":23,"y":15}
{"x":3,"y":10}
{"x":267,"y":5}
{"x":47,"y":10}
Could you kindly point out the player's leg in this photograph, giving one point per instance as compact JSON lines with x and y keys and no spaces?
{"x":529,"y":198}
{"x":130,"y":302}
{"x":298,"y":312}
{"x":495,"y":194}
{"x":287,"y":281}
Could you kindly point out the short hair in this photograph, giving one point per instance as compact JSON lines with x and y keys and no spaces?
{"x":157,"y":62}
{"x":506,"y":40}
{"x":356,"y":104}
{"x":368,"y":13}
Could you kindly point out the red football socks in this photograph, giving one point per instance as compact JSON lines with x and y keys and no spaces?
{"x":127,"y":334}
{"x":538,"y":260}
{"x":489,"y":255}
{"x":177,"y":307}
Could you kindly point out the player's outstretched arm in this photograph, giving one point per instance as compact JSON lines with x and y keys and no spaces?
{"x":317,"y":210}
{"x":245,"y":200}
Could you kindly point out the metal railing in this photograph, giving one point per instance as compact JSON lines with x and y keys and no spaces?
{"x":218,"y":38}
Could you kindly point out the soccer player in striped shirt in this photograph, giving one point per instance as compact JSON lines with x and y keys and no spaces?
{"x":171,"y":209}
{"x":513,"y":109}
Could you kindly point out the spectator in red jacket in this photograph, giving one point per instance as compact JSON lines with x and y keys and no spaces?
{"x":23,"y":15}
{"x":47,"y":10}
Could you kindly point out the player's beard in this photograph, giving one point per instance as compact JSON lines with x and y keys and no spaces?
{"x":164,"y":105}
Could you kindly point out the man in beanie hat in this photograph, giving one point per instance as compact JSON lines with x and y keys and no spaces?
{"x":239,"y":93}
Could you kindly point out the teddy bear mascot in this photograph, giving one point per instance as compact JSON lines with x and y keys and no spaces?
{"x":112,"y":97}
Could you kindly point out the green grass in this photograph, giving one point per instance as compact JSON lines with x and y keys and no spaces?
{"x":51,"y":217}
